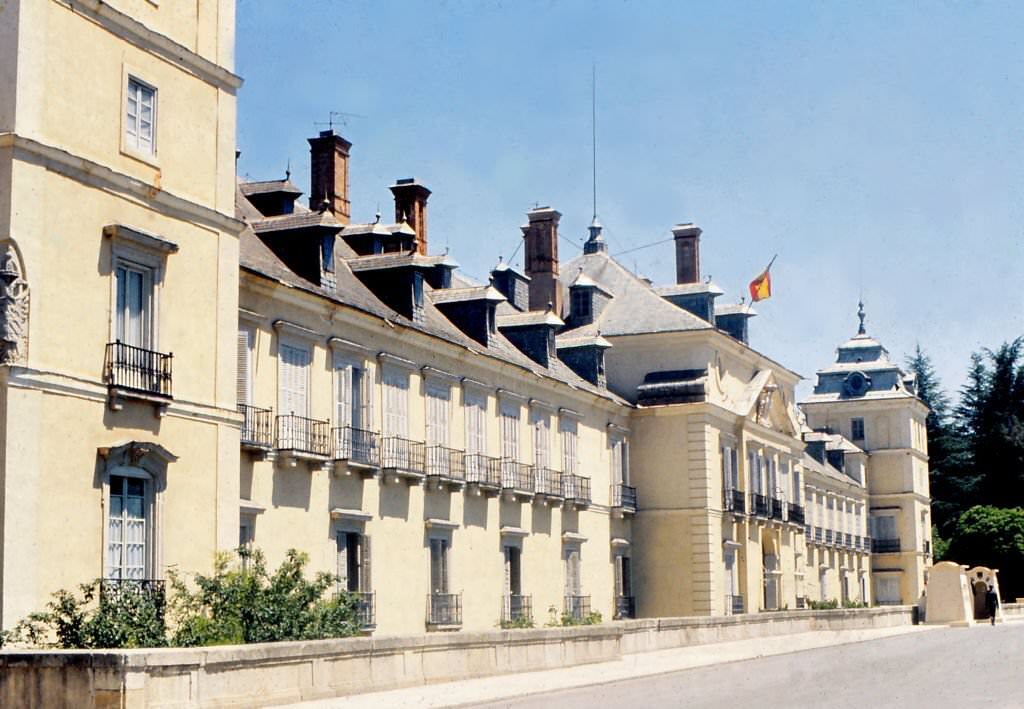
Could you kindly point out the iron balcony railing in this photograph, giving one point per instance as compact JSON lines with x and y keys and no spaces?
{"x":818,"y":535}
{"x":809,"y":533}
{"x":796,"y":513}
{"x":577,"y":607}
{"x":801,"y":602}
{"x":137,"y":369}
{"x":356,"y":445}
{"x":402,"y":454}
{"x":885,"y":546}
{"x":303,"y":435}
{"x":576,"y":488}
{"x":257,"y":426}
{"x":760,"y":506}
{"x":848,"y":539}
{"x":445,"y":463}
{"x":625,"y":607}
{"x":733,"y":604}
{"x":546,"y":481}
{"x":867,"y":543}
{"x":483,"y":470}
{"x":366,"y":609}
{"x":516,"y":607}
{"x":777,"y":508}
{"x":516,"y":477}
{"x":734,"y":500}
{"x":624,"y":497}
{"x":828,"y":536}
{"x":444,"y":609}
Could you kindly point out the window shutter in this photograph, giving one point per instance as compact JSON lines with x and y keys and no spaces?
{"x":367,"y":401}
{"x":619,"y":585}
{"x":343,"y":413}
{"x":508,"y":570}
{"x":568,"y":446}
{"x":541,"y":438}
{"x":244,"y":380}
{"x":365,"y":582}
{"x":510,"y":431}
{"x":341,"y":539}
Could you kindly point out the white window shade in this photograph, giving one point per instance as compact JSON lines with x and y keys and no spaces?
{"x":568,"y":430}
{"x":438,"y":413}
{"x":396,"y":402}
{"x":540,"y":422}
{"x":293,"y":374}
{"x":246,"y":341}
{"x":476,"y":420}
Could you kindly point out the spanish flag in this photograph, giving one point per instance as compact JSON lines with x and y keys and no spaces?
{"x":761,"y":287}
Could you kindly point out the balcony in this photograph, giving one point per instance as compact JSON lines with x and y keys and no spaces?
{"x":366,"y":610}
{"x":576,"y":489}
{"x":516,"y":609}
{"x":828,"y":536}
{"x":577,"y":607}
{"x":446,"y":466}
{"x":301,"y":438}
{"x":625,"y":607}
{"x":483,"y":471}
{"x":734,"y":501}
{"x":516,"y":478}
{"x":809,"y":533}
{"x":624,"y":498}
{"x":402,"y":457}
{"x":357,"y":447}
{"x":885,"y":546}
{"x":733,"y":604}
{"x":867,"y":543}
{"x":444,"y":610}
{"x":760,"y":505}
{"x":777,"y":508}
{"x":257,"y":428}
{"x":848,"y":540}
{"x":796,"y":513}
{"x":818,"y":535}
{"x":136,"y":593}
{"x":801,"y":602}
{"x":546,"y":482}
{"x":137,"y":373}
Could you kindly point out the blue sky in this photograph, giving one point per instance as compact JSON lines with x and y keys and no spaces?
{"x":876,"y":147}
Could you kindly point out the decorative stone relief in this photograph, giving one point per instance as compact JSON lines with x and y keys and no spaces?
{"x":764,"y":404}
{"x":14,"y":295}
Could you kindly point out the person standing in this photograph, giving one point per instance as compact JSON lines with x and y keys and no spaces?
{"x":991,"y":603}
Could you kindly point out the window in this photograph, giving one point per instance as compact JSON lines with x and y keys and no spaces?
{"x":623,"y":576}
{"x":476,"y":422}
{"x":352,"y":403}
{"x":857,"y":429}
{"x":570,"y":459}
{"x":887,"y":590}
{"x":293,"y":373}
{"x":823,"y":584}
{"x":580,"y":306}
{"x":438,"y":413}
{"x":439,"y":565}
{"x":133,"y":316}
{"x":417,"y":290}
{"x":140,"y":117}
{"x":513,"y":563}
{"x":540,"y":422}
{"x":729,"y":475}
{"x":620,"y":461}
{"x":510,"y":430}
{"x":573,"y":586}
{"x":246,"y":341}
{"x":884,"y":528}
{"x":353,"y":562}
{"x":246,"y":532}
{"x":127,"y":528}
{"x":396,"y":402}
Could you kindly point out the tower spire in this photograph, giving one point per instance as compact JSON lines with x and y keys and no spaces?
{"x":595,"y":242}
{"x":860,"y":314}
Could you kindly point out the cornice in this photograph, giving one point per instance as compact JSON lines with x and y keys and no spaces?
{"x":130,"y":29}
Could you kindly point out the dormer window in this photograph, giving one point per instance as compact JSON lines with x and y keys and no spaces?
{"x":581,"y":303}
{"x":417,"y":290}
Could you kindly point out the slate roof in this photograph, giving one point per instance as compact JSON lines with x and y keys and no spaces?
{"x":296,"y":220}
{"x":462,"y":295}
{"x":256,"y":258}
{"x":827,"y":470}
{"x":517,"y":318}
{"x":734,"y":309}
{"x":269,"y":186}
{"x":380,"y":262}
{"x":689,"y":289}
{"x":637,"y":308}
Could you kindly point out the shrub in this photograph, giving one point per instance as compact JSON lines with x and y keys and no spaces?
{"x":522,"y":621}
{"x":566,"y":618}
{"x":828,"y":605}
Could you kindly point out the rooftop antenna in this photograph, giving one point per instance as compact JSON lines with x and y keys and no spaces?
{"x":288,"y":170}
{"x":860,"y":314}
{"x":339,"y":117}
{"x":595,"y":242}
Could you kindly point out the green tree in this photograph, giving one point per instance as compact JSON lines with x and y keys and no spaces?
{"x":993,"y":537}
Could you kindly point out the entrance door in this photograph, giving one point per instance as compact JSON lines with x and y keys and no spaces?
{"x":771,"y":581}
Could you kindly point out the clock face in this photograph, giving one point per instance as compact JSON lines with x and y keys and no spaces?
{"x":856,"y":384}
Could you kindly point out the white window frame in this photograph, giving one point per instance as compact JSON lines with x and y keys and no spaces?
{"x":147,"y":516}
{"x":437,"y":402}
{"x":283,"y":343}
{"x":620,"y":459}
{"x":350,"y":396}
{"x":395,"y":401}
{"x":568,"y":434}
{"x":246,"y":354}
{"x":130,"y":76}
{"x":510,"y":418}
{"x":475,"y":405}
{"x":540,"y":427}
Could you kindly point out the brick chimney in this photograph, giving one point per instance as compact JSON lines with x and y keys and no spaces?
{"x":687,"y":238}
{"x":541,"y":234}
{"x":411,"y":207}
{"x":328,"y":168}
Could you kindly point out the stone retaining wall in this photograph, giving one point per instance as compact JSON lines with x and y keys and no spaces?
{"x":1013,"y":610}
{"x":246,"y":675}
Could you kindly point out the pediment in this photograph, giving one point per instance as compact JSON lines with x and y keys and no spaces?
{"x":768,"y":405}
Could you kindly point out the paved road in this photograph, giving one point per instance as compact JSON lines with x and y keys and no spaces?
{"x":949,"y":667}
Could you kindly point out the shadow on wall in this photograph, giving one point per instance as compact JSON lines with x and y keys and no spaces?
{"x":292,"y":486}
{"x":474,"y":510}
{"x":394,"y":500}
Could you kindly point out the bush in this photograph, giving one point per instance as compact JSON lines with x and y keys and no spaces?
{"x":830,"y":604}
{"x":566,"y":618}
{"x":240,"y":604}
{"x":992,"y":537}
{"x":522,"y":621}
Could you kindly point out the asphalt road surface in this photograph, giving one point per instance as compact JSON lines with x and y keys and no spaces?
{"x":951,"y":667}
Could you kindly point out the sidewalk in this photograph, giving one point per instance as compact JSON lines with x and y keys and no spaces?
{"x":491,"y":689}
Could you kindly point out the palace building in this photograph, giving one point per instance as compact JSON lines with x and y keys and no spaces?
{"x":190,"y":363}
